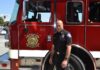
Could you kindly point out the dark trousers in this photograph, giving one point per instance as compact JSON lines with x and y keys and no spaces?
{"x":58,"y":67}
{"x":57,"y":60}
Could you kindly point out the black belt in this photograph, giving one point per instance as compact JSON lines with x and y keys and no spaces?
{"x":58,"y":53}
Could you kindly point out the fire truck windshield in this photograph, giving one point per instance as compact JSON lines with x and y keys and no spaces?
{"x":14,"y":13}
{"x":38,"y":11}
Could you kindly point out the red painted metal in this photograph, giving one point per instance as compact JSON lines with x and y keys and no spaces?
{"x":4,"y":65}
{"x":14,"y":64}
{"x":85,"y":34}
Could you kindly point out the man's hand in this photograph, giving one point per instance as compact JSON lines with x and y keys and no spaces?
{"x":68,"y":52}
{"x":64,"y":63}
{"x":50,"y":61}
{"x":51,"y":55}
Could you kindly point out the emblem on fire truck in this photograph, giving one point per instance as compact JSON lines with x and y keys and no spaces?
{"x":32,"y":40}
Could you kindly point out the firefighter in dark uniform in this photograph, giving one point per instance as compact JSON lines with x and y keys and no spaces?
{"x":61,"y":49}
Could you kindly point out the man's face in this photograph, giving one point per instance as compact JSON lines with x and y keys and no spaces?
{"x":59,"y":25}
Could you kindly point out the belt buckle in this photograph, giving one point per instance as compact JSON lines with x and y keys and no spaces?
{"x":58,"y":53}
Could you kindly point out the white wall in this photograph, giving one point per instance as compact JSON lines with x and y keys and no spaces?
{"x":3,"y":49}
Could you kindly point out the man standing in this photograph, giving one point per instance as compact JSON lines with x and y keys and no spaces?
{"x":61,"y":49}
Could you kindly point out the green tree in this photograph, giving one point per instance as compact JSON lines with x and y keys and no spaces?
{"x":1,"y":21}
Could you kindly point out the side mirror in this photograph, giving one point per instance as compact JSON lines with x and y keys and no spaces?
{"x":24,"y":9}
{"x":24,"y":15}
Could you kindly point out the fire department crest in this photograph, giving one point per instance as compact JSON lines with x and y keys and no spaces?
{"x":32,"y":40}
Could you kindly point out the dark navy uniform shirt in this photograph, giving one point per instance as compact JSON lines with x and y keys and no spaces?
{"x":60,"y":40}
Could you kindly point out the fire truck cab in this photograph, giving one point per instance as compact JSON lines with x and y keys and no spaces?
{"x":33,"y":24}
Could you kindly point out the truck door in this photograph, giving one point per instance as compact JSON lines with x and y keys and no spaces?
{"x":93,"y":26}
{"x":74,"y":22}
{"x":35,"y":32}
{"x":36,"y":29}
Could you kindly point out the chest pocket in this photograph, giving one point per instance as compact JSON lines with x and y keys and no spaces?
{"x":62,"y":38}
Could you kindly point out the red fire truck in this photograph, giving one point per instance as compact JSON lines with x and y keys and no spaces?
{"x":33,"y":24}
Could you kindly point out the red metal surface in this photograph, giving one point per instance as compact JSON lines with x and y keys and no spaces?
{"x":4,"y":65}
{"x":44,"y":29}
{"x":35,"y":28}
{"x":14,"y":64}
{"x":93,"y":37}
{"x":85,"y":34}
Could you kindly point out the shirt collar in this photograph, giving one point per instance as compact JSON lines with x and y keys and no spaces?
{"x":61,"y":32}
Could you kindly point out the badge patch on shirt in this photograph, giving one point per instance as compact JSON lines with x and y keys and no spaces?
{"x":69,"y":35}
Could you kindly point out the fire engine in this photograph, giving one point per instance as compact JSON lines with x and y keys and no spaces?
{"x":33,"y":24}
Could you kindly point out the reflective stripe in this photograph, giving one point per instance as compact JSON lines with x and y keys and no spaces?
{"x":96,"y":54}
{"x":69,"y":35}
{"x":13,"y":54}
{"x":28,"y":53}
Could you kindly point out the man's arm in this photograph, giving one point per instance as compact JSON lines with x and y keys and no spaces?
{"x":68,"y":46}
{"x":52,"y":51}
{"x":68,"y":51}
{"x":51,"y":55}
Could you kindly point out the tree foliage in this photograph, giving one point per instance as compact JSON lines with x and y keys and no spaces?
{"x":1,"y":21}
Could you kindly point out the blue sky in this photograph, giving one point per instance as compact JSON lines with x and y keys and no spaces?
{"x":6,"y":8}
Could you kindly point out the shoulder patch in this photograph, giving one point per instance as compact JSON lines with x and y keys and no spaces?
{"x":69,"y":35}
